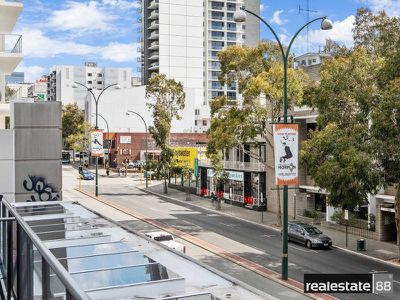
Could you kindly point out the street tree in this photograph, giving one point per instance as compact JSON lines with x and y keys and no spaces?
{"x":258,"y":72}
{"x":356,"y":150}
{"x":167,"y":99}
{"x":73,"y":120}
{"x":9,"y":93}
{"x":80,"y":140}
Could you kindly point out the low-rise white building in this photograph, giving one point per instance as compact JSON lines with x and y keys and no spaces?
{"x":62,"y":77}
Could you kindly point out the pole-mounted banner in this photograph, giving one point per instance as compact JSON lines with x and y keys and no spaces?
{"x":96,"y":143}
{"x":286,"y":148}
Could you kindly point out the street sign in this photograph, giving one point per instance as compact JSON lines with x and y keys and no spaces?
{"x":286,"y":148}
{"x":96,"y":143}
{"x":346,"y":214}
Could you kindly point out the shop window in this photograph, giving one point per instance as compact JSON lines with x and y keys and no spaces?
{"x":320,"y":202}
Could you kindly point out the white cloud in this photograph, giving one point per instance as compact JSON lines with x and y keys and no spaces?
{"x":81,"y":17}
{"x":276,"y":18}
{"x":36,"y":44}
{"x":120,"y":52}
{"x":121,"y":4}
{"x":31,"y":72}
{"x":341,"y":33}
{"x":392,"y":7}
{"x":262,"y":7}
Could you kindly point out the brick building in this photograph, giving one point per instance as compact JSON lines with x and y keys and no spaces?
{"x":132,"y":145}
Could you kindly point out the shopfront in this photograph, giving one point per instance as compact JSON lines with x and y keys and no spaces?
{"x":242,"y":189}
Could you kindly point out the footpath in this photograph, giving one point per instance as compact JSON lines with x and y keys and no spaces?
{"x":375,"y":249}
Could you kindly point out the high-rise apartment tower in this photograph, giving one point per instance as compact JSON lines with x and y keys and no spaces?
{"x":181,"y":38}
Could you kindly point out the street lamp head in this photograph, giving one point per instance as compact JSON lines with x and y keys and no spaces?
{"x":127,"y":114}
{"x":74,"y":85}
{"x":117,"y":87}
{"x":326,"y":24}
{"x":239,"y":16}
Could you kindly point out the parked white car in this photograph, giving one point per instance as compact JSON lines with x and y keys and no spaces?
{"x":167,"y":239}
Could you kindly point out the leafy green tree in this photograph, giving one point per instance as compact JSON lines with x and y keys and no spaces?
{"x":385,"y":131}
{"x":357,"y":148}
{"x":9,"y":93}
{"x":258,"y":72}
{"x":80,"y":141}
{"x":73,"y":120}
{"x":168,"y":98}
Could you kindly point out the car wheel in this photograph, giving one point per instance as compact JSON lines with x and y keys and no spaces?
{"x":308,"y":244}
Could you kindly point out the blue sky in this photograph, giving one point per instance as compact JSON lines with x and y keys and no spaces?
{"x":105,"y":31}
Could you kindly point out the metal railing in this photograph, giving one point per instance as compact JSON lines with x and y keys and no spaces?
{"x":21,"y":277}
{"x":11,"y":43}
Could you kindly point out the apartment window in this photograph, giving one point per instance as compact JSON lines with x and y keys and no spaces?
{"x":217,"y":25}
{"x":99,"y":82}
{"x":231,"y":26}
{"x":231,"y":95}
{"x":216,"y":64}
{"x":204,"y":122}
{"x":215,"y":94}
{"x":231,"y":36}
{"x":309,"y":61}
{"x":197,"y":111}
{"x":217,"y":45}
{"x":195,"y":122}
{"x":99,"y":75}
{"x":314,"y":60}
{"x":214,"y":54}
{"x":89,"y":74}
{"x":229,"y":17}
{"x":89,"y":82}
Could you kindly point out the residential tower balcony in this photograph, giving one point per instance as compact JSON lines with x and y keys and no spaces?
{"x":9,"y":13}
{"x":154,"y":14}
{"x":153,"y":4}
{"x":236,"y":165}
{"x":10,"y":52}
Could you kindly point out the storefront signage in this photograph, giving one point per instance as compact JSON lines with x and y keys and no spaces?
{"x":237,"y":176}
{"x":185,"y":157}
{"x":286,"y":148}
{"x":125,"y":139}
{"x":96,"y":143}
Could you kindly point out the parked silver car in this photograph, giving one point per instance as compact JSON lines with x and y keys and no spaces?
{"x":308,"y":235}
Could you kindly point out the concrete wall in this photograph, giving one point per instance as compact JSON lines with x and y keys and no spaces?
{"x":36,"y":129}
{"x":7,"y":164}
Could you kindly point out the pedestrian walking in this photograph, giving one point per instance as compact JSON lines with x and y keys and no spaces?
{"x":213,"y":198}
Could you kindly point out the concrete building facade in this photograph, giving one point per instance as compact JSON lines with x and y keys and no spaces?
{"x":181,"y":39}
{"x":61,"y":80}
{"x":30,"y":159}
{"x":10,"y":51}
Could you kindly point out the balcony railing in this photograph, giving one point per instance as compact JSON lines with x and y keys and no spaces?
{"x":20,"y":247}
{"x":236,"y":165}
{"x":11,"y":43}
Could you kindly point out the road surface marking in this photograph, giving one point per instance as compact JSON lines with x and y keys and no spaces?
{"x":268,"y":235}
{"x":229,"y":225}
{"x":307,"y":251}
{"x":212,"y":215}
{"x":375,"y":272}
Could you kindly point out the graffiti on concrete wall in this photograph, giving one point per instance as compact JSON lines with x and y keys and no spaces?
{"x":42,"y":190}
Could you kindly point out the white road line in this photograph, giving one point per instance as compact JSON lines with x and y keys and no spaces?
{"x":268,"y":235}
{"x":229,"y":225}
{"x":376,"y":272}
{"x":307,"y":251}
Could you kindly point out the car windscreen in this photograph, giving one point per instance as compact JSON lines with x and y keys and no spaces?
{"x":312,"y":230}
{"x":163,"y":238}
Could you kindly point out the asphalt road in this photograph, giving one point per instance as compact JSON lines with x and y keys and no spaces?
{"x":195,"y":220}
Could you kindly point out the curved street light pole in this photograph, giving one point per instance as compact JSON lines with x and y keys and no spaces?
{"x":146,"y":156}
{"x":108,"y":135}
{"x":96,"y":100}
{"x":241,"y":17}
